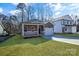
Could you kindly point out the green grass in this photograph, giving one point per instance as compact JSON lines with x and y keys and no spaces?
{"x":67,"y":35}
{"x":17,"y":46}
{"x":18,"y":39}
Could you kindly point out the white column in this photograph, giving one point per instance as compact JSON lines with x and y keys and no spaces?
{"x":22,"y":29}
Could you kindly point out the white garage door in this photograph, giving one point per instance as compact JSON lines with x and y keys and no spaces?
{"x":48,"y":31}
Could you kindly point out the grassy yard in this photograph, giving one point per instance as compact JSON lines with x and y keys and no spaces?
{"x":17,"y":46}
{"x":72,"y":35}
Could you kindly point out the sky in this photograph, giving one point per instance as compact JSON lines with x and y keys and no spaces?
{"x":5,"y":8}
{"x":39,"y":1}
{"x":56,"y":9}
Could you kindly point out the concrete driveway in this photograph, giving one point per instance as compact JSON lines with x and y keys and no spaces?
{"x":71,"y":40}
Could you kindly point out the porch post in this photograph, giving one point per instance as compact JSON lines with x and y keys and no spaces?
{"x":22,"y":29}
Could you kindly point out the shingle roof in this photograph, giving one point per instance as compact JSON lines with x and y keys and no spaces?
{"x":32,"y":23}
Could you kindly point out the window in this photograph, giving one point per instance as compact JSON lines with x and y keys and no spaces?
{"x":30,"y":27}
{"x":62,"y":21}
{"x":71,"y":22}
{"x":25,"y":27}
{"x":68,"y":22}
{"x":78,"y":21}
{"x":65,"y":28}
{"x":33,"y":28}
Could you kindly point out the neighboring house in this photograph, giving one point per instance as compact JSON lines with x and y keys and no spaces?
{"x":64,"y":24}
{"x":30,"y":29}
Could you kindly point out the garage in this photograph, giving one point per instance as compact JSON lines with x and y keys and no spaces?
{"x":48,"y":29}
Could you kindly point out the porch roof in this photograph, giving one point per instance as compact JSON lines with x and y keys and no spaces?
{"x":40,"y":23}
{"x":46,"y":24}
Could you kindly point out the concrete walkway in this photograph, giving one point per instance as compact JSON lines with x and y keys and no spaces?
{"x":48,"y":37}
{"x":67,"y":40}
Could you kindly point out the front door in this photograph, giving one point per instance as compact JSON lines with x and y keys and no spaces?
{"x":41,"y":29}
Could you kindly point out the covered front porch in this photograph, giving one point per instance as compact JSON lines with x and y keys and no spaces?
{"x":30,"y":30}
{"x":69,"y":29}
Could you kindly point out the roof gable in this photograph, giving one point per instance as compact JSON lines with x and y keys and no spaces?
{"x":49,"y":25}
{"x":65,"y":17}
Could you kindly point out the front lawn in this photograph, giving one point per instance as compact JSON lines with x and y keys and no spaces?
{"x":18,"y":39}
{"x":38,"y":46}
{"x":67,"y":35}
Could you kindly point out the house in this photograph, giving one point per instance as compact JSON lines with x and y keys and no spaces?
{"x":30,"y":29}
{"x":64,"y":24}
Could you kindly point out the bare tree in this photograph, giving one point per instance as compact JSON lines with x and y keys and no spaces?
{"x":43,"y":12}
{"x":15,"y":23}
{"x":9,"y":24}
{"x":6,"y":25}
{"x":21,"y":6}
{"x":30,"y":12}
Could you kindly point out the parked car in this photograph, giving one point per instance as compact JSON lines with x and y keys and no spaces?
{"x":4,"y":34}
